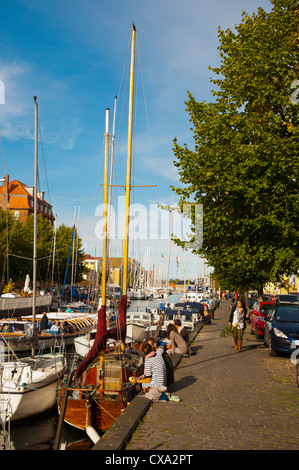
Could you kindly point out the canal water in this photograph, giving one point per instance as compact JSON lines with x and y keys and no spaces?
{"x":38,"y":433}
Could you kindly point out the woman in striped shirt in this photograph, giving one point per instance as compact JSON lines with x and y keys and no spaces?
{"x":154,"y":367}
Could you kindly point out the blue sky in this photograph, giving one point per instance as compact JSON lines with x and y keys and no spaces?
{"x":72,"y":56}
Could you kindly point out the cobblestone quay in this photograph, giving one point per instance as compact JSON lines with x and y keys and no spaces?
{"x":229,"y":400}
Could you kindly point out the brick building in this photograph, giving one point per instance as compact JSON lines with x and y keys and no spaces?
{"x":18,"y":198}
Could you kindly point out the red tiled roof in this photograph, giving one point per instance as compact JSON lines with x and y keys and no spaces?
{"x":20,"y":197}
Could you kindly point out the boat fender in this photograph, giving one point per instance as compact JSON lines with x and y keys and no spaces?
{"x":92,"y":434}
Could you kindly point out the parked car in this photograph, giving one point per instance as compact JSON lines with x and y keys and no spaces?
{"x":252,"y":302}
{"x":287,"y":298}
{"x":258,"y":317}
{"x":281,"y":329}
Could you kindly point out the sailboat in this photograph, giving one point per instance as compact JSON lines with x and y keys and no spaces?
{"x":97,"y":394}
{"x":28,"y":386}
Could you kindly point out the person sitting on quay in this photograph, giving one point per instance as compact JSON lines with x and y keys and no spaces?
{"x":154,"y":376}
{"x":167,"y":360}
{"x":205,"y":318}
{"x":177,"y":343}
{"x":184,"y":333}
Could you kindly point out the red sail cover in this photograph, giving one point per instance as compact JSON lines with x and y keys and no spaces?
{"x":102,"y":334}
{"x":119,"y":332}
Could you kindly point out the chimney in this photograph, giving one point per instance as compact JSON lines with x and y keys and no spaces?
{"x":5,"y":196}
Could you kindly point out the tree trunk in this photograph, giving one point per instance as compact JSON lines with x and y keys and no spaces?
{"x":247,"y":299}
{"x":260,"y":294}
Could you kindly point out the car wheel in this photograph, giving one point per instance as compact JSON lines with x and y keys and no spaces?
{"x":271,"y":351}
{"x":251,"y":330}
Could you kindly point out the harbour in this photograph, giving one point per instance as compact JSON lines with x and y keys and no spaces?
{"x":39,"y":432}
{"x":214,"y":427}
{"x":149,"y":291}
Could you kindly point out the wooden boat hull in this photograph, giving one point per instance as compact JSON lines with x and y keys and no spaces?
{"x":101,"y":397}
{"x":100,"y":414}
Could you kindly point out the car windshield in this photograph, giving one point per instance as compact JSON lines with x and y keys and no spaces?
{"x":266,"y":308}
{"x":288,"y":313}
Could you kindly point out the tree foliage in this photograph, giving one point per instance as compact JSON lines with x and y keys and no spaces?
{"x":244,"y":165}
{"x":16,"y":250}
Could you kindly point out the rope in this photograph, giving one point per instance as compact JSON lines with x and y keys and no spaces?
{"x":104,"y":409}
{"x":37,"y":389}
{"x":41,"y":142}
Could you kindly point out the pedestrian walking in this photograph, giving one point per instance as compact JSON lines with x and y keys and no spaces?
{"x":237,"y":320}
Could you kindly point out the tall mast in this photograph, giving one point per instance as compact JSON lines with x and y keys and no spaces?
{"x":169,"y":248}
{"x":112,"y":151}
{"x":111,"y":175}
{"x":35,"y":217}
{"x":129,"y":158}
{"x":105,"y":212}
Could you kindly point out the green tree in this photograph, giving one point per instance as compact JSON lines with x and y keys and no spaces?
{"x":44,"y":246}
{"x":244,"y":165}
{"x":16,"y":241}
{"x":63,"y":243}
{"x":13,"y":249}
{"x":16,"y":250}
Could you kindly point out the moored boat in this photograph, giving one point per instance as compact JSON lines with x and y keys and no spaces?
{"x":28,"y":386}
{"x":97,"y":392}
{"x":16,"y":333}
{"x":101,"y":396}
{"x":16,"y":305}
{"x":137,"y":322}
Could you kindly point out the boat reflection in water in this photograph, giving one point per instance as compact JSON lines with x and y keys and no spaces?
{"x":38,"y":433}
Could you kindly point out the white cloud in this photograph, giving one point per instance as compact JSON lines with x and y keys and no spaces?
{"x":12,"y":113}
{"x":58,"y":123}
